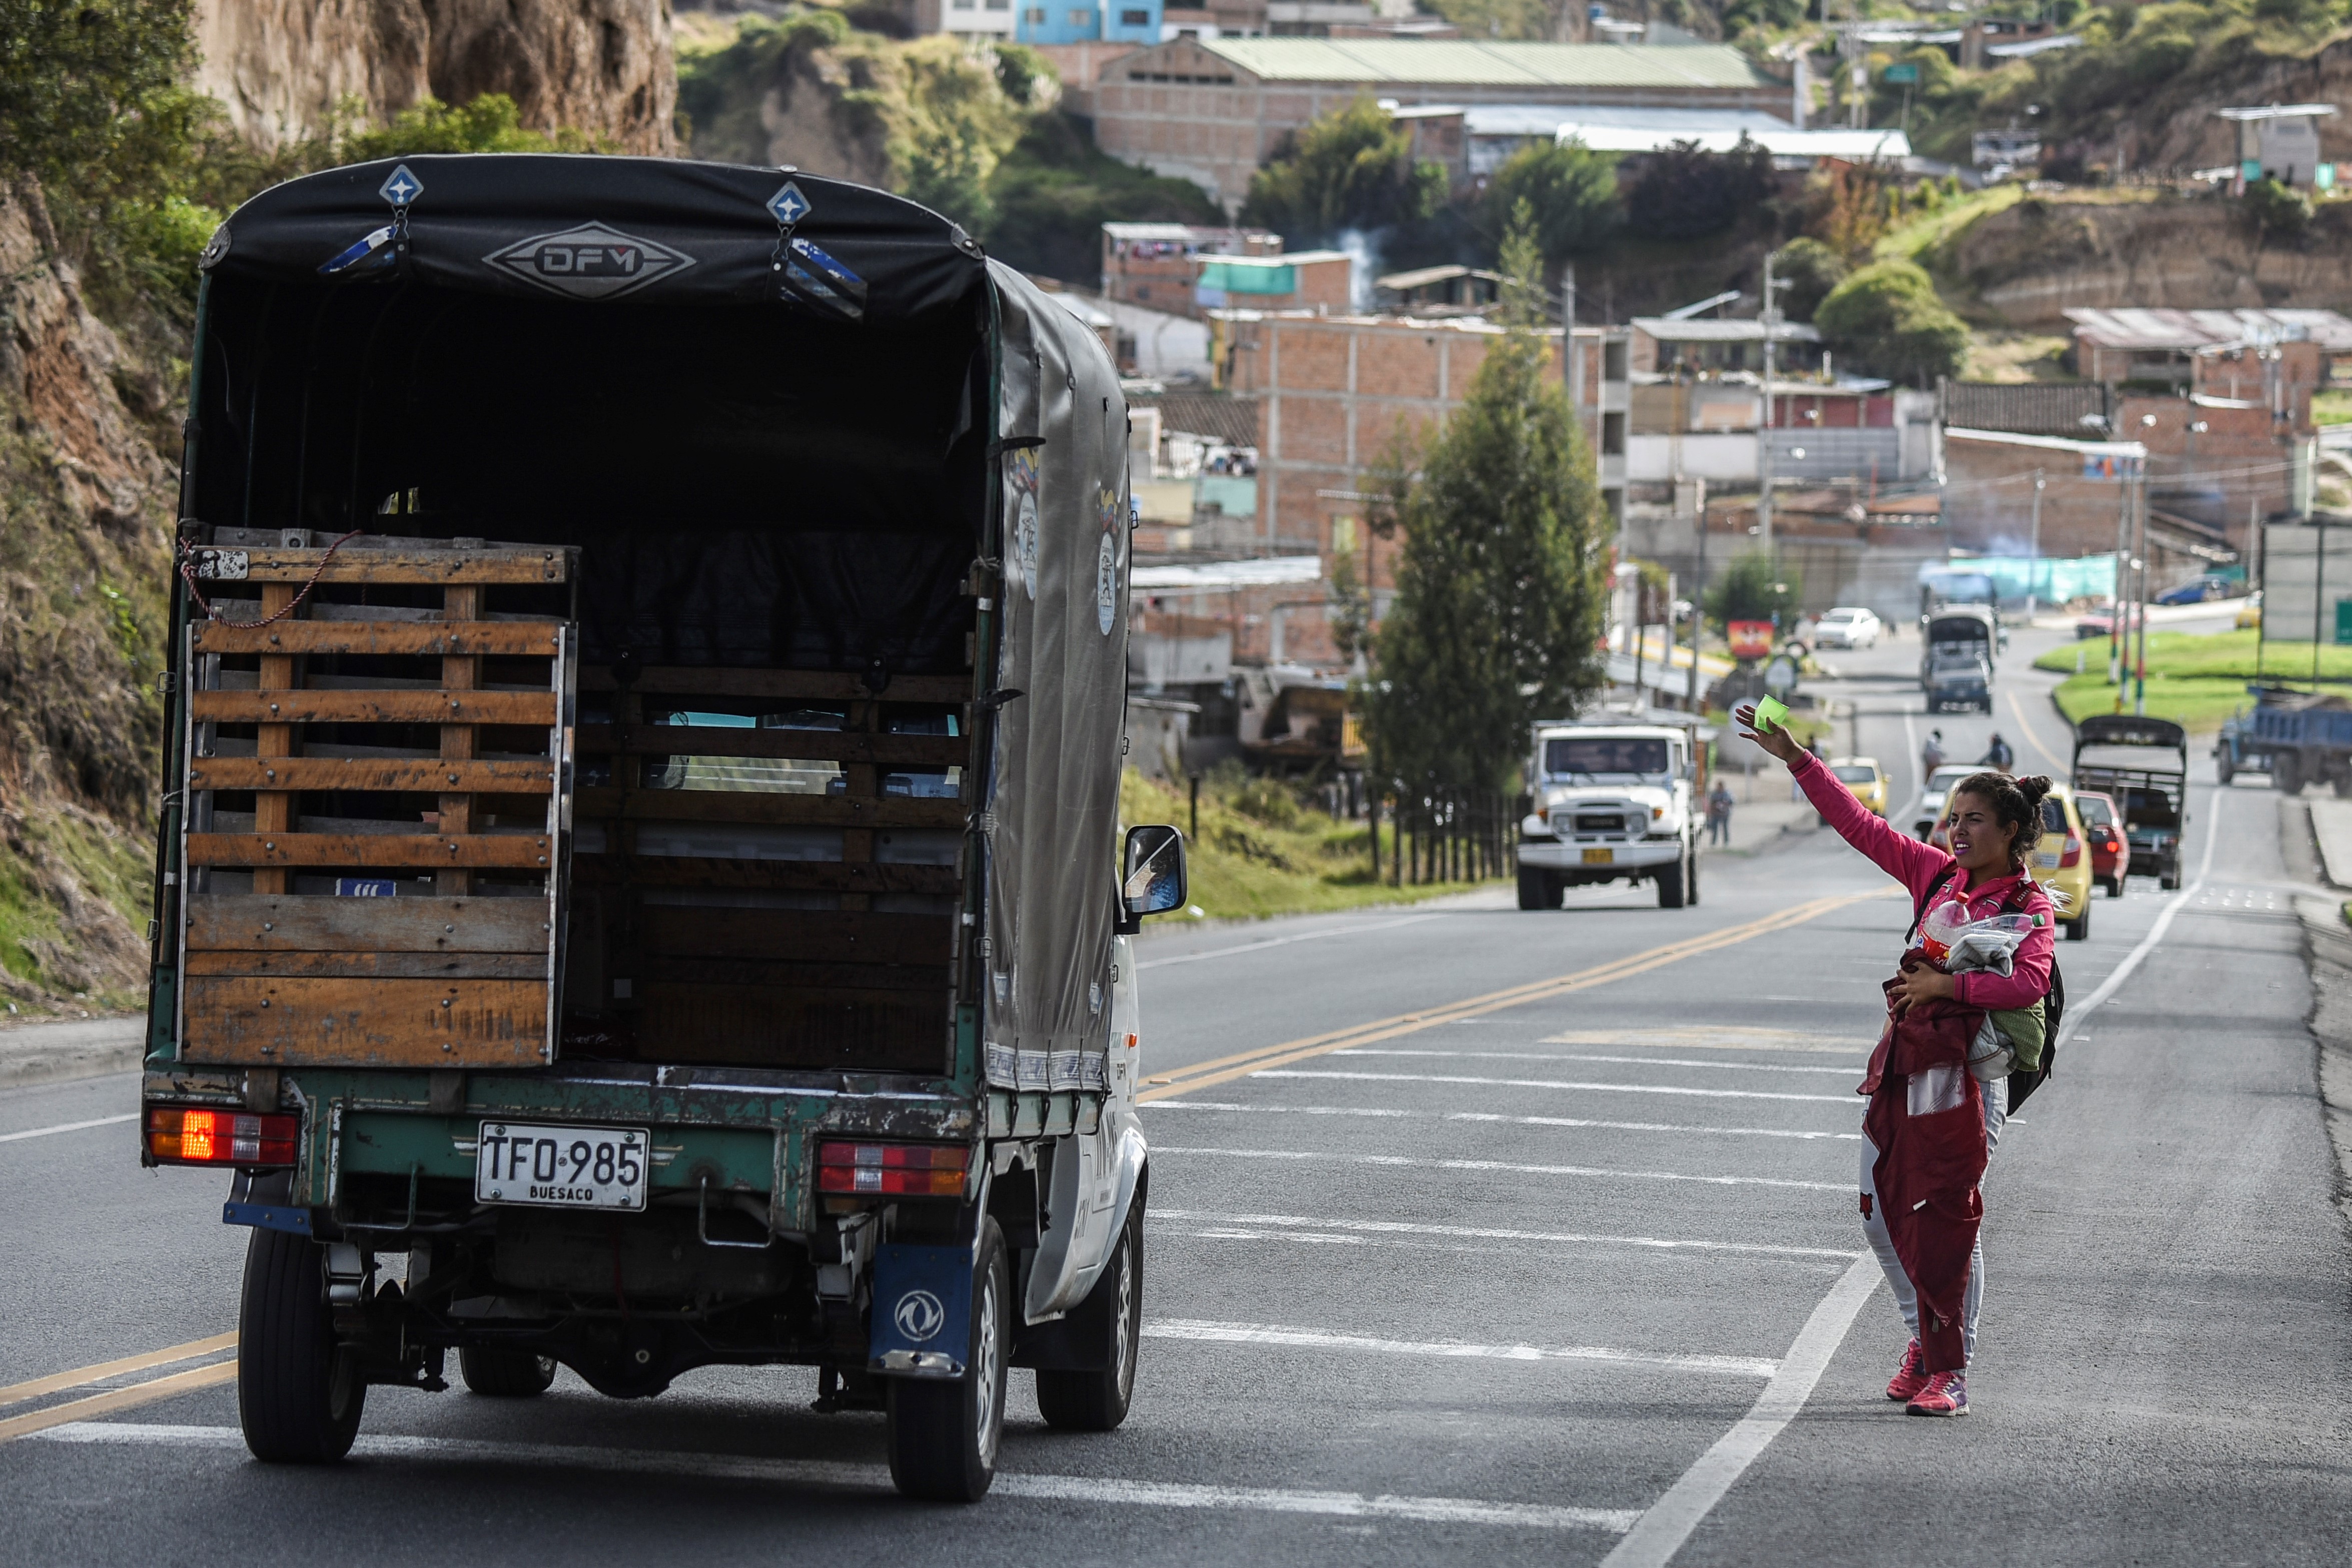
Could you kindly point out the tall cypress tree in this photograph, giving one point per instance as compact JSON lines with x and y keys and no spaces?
{"x":1500,"y":586}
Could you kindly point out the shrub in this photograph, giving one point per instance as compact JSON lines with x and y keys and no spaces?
{"x":1886,"y":319}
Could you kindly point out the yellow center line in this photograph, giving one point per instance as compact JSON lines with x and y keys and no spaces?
{"x":138,"y":1394}
{"x":2019,"y":708}
{"x":18,"y":1392}
{"x":1224,"y":1070}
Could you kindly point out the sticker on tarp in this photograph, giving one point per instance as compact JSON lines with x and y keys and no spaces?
{"x":218,"y":565}
{"x":1093,"y":996}
{"x":371,"y":251}
{"x":788,"y":206}
{"x":815,"y":276}
{"x":1036,"y":1071}
{"x":589,"y":261}
{"x":1107,"y":586}
{"x":400,"y":187}
{"x":1004,"y":1067}
{"x":365,"y":887}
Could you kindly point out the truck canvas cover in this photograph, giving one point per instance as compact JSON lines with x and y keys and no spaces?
{"x":810,"y":462}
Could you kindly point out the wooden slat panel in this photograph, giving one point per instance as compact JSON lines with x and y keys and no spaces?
{"x":267,"y":707}
{"x":515,"y":851}
{"x":369,"y":774}
{"x":745,"y":805}
{"x":378,"y":965}
{"x":800,"y":876}
{"x":222,"y":923}
{"x":314,"y":1022}
{"x":432,"y":567}
{"x":816,"y":745}
{"x":834,"y":936}
{"x":809,"y":685}
{"x":381,"y":637}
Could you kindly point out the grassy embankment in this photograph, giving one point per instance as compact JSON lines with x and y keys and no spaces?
{"x":1261,"y":853}
{"x":2195,"y":680}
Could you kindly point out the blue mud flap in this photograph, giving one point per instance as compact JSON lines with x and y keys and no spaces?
{"x":261,"y":1201}
{"x":922,"y":1310}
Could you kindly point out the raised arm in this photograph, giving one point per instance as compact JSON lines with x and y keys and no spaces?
{"x":1914,"y":865}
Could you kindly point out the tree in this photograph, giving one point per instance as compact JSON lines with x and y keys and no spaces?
{"x":1811,"y":269}
{"x":1054,"y":190}
{"x":1886,"y":319}
{"x":1499,"y":589}
{"x":1686,"y":193}
{"x":1753,"y":589}
{"x":1572,"y":190}
{"x":1353,"y":168}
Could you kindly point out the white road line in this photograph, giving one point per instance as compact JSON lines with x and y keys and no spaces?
{"x":1508,"y":1170}
{"x":71,"y":1127}
{"x":1670,"y":1519}
{"x":1279,"y":941}
{"x":1560,"y":1083}
{"x":2076,"y":1013}
{"x":1009,"y":1483}
{"x":1634,"y":1061}
{"x":1315,"y":1339}
{"x":1489,"y":1233}
{"x":1676,"y":1127}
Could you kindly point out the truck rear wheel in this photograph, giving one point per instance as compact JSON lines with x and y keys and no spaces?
{"x":505,"y":1373}
{"x":2286,"y":773}
{"x":943,"y":1436}
{"x":298,"y":1395}
{"x":1674,"y":880}
{"x":1097,"y":1401}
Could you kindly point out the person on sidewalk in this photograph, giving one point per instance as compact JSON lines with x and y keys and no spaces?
{"x":1719,"y":803}
{"x":1994,"y":821}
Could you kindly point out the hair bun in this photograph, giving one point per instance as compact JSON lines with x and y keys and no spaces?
{"x":2033,"y":786}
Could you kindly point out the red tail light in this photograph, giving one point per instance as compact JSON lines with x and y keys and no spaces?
{"x":891,"y":1169}
{"x":183,"y":1137}
{"x":2073,"y":854}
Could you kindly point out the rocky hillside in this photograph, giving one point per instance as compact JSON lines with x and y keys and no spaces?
{"x":282,"y":67}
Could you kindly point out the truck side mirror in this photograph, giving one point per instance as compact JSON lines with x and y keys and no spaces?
{"x":1152,"y":880}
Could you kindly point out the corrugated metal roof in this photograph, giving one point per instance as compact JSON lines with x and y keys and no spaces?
{"x":1467,"y":62}
{"x":1545,"y":119}
{"x":1737,"y":330}
{"x":2184,"y":330}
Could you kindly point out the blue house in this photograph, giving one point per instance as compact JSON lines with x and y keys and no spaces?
{"x":1111,"y":21}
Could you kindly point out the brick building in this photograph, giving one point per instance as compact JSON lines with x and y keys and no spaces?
{"x":1989,"y":488}
{"x":1157,"y":264}
{"x":2146,"y":345}
{"x":1211,"y":110}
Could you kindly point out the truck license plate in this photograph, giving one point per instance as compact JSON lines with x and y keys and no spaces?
{"x":1600,"y":856}
{"x":561,"y":1167}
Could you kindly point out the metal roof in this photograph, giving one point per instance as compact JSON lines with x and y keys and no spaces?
{"x":2278,"y":112}
{"x":2186,"y":331}
{"x":1783,"y":143}
{"x":1738,"y":331}
{"x":1546,"y":119}
{"x":1469,"y":62}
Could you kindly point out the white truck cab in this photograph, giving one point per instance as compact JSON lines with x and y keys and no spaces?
{"x":1612,"y":802}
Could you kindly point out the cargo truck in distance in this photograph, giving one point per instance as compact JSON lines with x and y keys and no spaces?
{"x":1612,"y":803}
{"x":1956,"y":656}
{"x":640,"y":887}
{"x":2298,"y":737}
{"x":2141,"y":764}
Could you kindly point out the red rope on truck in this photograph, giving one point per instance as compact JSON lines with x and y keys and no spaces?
{"x":188,"y":574}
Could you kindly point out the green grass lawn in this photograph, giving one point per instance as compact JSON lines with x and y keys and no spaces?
{"x":2194,"y":680}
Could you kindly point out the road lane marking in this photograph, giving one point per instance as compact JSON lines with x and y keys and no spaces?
{"x":1279,"y":941}
{"x":1492,"y":1233}
{"x":2035,"y":741}
{"x":1561,"y":1083}
{"x":875,"y":1477}
{"x":71,"y":1127}
{"x":1242,"y":1064}
{"x":1315,"y":1339}
{"x":129,"y":1398}
{"x":1670,"y":1521}
{"x":1717,"y":1037}
{"x":1508,"y":1170}
{"x":1566,"y":1057}
{"x":1675,"y":1127}
{"x":2123,"y":971}
{"x":16,"y":1393}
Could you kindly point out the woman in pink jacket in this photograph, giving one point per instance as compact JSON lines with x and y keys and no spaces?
{"x":1994,"y":823}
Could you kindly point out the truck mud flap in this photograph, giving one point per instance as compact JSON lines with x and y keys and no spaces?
{"x":263,"y":1202}
{"x":922,"y":1310}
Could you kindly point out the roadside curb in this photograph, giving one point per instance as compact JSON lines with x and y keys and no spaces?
{"x":33,"y":1054}
{"x":2327,"y":951}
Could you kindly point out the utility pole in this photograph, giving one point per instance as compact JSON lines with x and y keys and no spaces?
{"x":1771,"y":319}
{"x":2034,"y":560}
{"x":2139,"y":697}
{"x":2115,"y":598}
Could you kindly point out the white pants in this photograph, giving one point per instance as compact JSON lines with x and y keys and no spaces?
{"x":1996,"y":1112}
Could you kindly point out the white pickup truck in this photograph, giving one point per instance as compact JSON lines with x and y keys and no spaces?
{"x":1612,"y":802}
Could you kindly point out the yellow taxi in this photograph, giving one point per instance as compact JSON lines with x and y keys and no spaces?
{"x":1864,"y":778}
{"x":2060,"y":861}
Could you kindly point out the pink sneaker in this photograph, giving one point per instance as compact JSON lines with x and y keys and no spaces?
{"x":1947,"y":1394}
{"x":1910,"y":1377}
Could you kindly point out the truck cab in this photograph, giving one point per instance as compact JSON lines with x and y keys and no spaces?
{"x":1956,"y":658}
{"x":1612,"y":802}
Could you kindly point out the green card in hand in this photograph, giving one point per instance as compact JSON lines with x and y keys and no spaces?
{"x":1772,"y":713}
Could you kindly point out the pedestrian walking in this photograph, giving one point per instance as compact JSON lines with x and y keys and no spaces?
{"x":1719,"y":803}
{"x":1931,"y":756}
{"x":1997,"y":754}
{"x":1932,"y":1050}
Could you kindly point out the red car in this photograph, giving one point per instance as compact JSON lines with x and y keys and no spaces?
{"x":2102,"y":825}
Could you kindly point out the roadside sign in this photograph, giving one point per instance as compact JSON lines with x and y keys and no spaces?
{"x":1903,"y":75}
{"x":1750,"y":640}
{"x":2343,"y":621}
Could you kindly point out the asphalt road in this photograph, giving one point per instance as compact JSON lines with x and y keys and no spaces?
{"x":1539,"y":1243}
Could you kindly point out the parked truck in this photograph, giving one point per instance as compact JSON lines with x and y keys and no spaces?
{"x":1612,"y":802}
{"x":2296,"y":737}
{"x":2141,"y":764}
{"x":640,"y":886}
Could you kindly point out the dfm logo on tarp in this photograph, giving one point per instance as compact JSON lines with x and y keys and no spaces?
{"x":589,"y":262}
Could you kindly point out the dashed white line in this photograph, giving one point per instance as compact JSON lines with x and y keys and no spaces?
{"x":1558,"y":1083}
{"x":820,"y":1472}
{"x":1317,"y":1339}
{"x":1483,"y":1116}
{"x":71,"y":1127}
{"x":1492,"y":1233}
{"x":1570,"y":1057}
{"x":1509,"y":1170}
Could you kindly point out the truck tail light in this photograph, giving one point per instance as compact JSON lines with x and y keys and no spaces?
{"x":185,"y":1137}
{"x":891,"y":1169}
{"x":2073,"y":854}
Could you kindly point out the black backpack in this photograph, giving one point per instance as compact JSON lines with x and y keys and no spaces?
{"x":2021,"y":1084}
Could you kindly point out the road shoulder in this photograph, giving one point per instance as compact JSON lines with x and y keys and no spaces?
{"x":69,"y":1049}
{"x":2327,"y":945}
